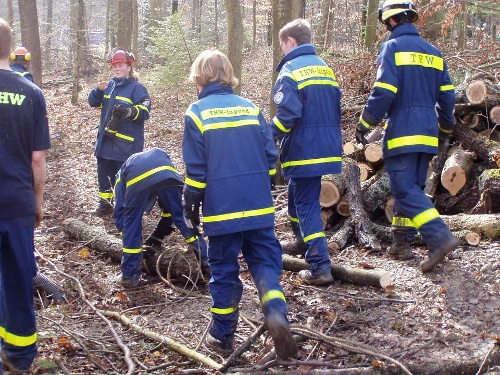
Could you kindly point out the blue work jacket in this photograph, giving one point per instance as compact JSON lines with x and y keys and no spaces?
{"x":129,"y":138}
{"x":412,"y":85}
{"x":22,"y":71}
{"x":229,"y":153}
{"x":140,"y":173}
{"x":307,"y":98}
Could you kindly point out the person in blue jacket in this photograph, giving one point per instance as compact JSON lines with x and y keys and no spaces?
{"x":144,"y":178}
{"x":307,"y":98}
{"x":125,"y":105}
{"x":23,"y":140}
{"x":230,"y":157}
{"x":19,"y":62}
{"x":411,"y":87}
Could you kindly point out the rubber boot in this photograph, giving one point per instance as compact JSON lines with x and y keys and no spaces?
{"x":400,"y":248}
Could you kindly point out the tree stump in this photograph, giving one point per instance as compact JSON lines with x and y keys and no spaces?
{"x":456,"y":169}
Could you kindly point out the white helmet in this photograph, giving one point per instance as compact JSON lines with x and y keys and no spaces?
{"x":391,"y":8}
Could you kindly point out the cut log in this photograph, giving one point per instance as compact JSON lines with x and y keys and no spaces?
{"x":98,"y":239}
{"x":374,"y":155}
{"x":333,"y":187}
{"x":365,"y":236}
{"x":376,"y":277}
{"x":487,"y":225}
{"x":495,"y":115}
{"x":491,"y":134}
{"x":365,"y":171}
{"x":350,"y":147}
{"x":481,"y":91}
{"x":327,"y":216}
{"x":340,"y":238}
{"x":484,"y":148}
{"x":376,"y":191}
{"x":343,"y":208}
{"x":456,"y":169}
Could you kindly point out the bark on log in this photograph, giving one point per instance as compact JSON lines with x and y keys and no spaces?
{"x":333,"y":187}
{"x":487,"y":225}
{"x":435,"y":169}
{"x":358,"y":214}
{"x":484,"y":148}
{"x":456,"y":169}
{"x":376,"y":191}
{"x":378,"y":277}
{"x":99,"y":240}
{"x":481,"y":91}
{"x":489,"y":180}
{"x":340,"y":238}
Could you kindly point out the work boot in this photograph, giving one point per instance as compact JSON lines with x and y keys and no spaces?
{"x":10,"y":367}
{"x":400,"y":249}
{"x":436,"y":256}
{"x":320,"y":279}
{"x":129,"y":283}
{"x":224,"y":347}
{"x":294,"y":248}
{"x":104,"y":208}
{"x":284,"y":343}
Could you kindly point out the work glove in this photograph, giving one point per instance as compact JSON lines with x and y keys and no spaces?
{"x":112,"y":126}
{"x":360,"y":134}
{"x":191,"y":202}
{"x":123,"y":111}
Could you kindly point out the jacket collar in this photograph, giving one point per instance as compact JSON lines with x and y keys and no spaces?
{"x":121,"y":81}
{"x":214,"y":88}
{"x":303,"y":49}
{"x":405,"y":28}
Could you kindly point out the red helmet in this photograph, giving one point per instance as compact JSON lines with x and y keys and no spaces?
{"x":120,"y":56}
{"x":20,"y":53}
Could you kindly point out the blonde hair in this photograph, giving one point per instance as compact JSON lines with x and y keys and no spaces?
{"x":5,"y":39}
{"x":212,"y":66}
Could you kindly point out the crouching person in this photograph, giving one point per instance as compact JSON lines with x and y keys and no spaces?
{"x":144,"y":178}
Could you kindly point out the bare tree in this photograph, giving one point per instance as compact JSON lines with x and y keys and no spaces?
{"x":48,"y":33}
{"x":370,"y":23}
{"x":125,"y":24}
{"x":30,"y":36}
{"x":77,"y":15}
{"x":235,"y":42}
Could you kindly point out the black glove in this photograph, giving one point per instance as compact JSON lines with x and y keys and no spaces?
{"x":191,"y":202}
{"x":272,"y":178}
{"x":122,"y":111}
{"x":360,"y":134}
{"x":112,"y":126}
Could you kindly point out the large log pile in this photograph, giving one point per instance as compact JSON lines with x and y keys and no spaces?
{"x":463,"y":179}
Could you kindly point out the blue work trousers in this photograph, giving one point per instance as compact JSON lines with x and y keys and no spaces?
{"x":106,"y":176}
{"x":303,"y":205}
{"x":18,"y":333}
{"x":169,"y":200}
{"x":262,"y":253}
{"x":407,"y":176}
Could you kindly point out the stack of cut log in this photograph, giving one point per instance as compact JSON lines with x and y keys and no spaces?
{"x":462,"y":179}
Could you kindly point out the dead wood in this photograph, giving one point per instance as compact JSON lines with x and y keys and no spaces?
{"x":484,"y":148}
{"x":481,"y":91}
{"x":374,"y":155}
{"x":340,"y":238}
{"x":376,"y":190}
{"x":343,"y":208}
{"x":435,"y":169}
{"x":495,"y":115}
{"x":487,"y":225}
{"x":456,"y":169}
{"x":333,"y":187}
{"x":378,"y":278}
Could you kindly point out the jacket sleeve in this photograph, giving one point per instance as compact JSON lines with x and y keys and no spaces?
{"x":288,"y":104}
{"x":193,"y":152}
{"x":96,"y":97}
{"x":269,"y":145}
{"x":446,"y":103}
{"x":384,"y":90}
{"x":142,"y":102}
{"x":119,"y":200}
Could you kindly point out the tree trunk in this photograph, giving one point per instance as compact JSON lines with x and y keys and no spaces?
{"x":371,"y":23}
{"x":456,"y":169}
{"x":235,"y":42}
{"x":48,"y":34}
{"x":30,"y":35}
{"x":125,"y":25}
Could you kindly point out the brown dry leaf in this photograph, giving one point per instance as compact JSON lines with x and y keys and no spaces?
{"x":376,"y":363}
{"x":441,"y":291}
{"x":84,"y":253}
{"x":366,"y":266}
{"x":64,"y":343}
{"x":121,"y":296}
{"x":389,"y":290}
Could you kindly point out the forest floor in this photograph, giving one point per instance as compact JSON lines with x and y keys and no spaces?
{"x":443,"y":322}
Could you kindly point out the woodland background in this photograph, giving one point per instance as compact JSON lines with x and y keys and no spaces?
{"x":441,"y":322}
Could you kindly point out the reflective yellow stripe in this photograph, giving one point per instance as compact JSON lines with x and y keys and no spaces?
{"x":294,"y":219}
{"x":15,"y":340}
{"x":424,"y":217}
{"x":166,"y":214}
{"x":239,"y":215}
{"x":123,"y":136}
{"x":191,"y":239}
{"x":132,"y":251}
{"x":228,"y":112}
{"x":317,"y":82}
{"x":107,"y":96}
{"x":110,"y":131}
{"x":106,"y":194}
{"x":312,"y":161}
{"x":272,"y":294}
{"x":272,"y":172}
{"x":447,"y":131}
{"x":313,"y":236}
{"x":364,"y":123}
{"x":196,"y":120}
{"x":313,"y":71}
{"x":137,"y":113}
{"x":279,"y":125}
{"x":232,"y":124}
{"x":446,"y":87}
{"x":412,"y":140}
{"x":400,"y":221}
{"x":149,"y":173}
{"x":194,"y":183}
{"x":124,"y":99}
{"x":225,"y":311}
{"x":420,"y":59}
{"x":386,"y":86}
